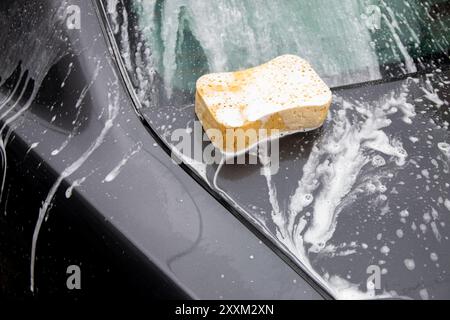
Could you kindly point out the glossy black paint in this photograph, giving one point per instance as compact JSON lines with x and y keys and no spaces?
{"x":365,"y":219}
{"x":152,"y":231}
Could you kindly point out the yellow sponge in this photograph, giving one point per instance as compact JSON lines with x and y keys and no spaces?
{"x":282,"y":96}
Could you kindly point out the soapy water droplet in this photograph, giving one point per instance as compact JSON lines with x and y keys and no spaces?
{"x":307,"y":199}
{"x":404,"y":213}
{"x":424,"y":294}
{"x":402,"y":154}
{"x":371,"y":187}
{"x":385,"y":250}
{"x":378,"y":161}
{"x":410,"y":264}
{"x":445,"y":148}
{"x":434,"y":257}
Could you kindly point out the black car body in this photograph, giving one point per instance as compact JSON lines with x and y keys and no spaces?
{"x":86,"y":134}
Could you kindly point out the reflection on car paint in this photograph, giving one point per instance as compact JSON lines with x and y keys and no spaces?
{"x":354,"y":174}
{"x":78,"y":106}
{"x":113,"y":111}
{"x":47,"y":44}
{"x":384,"y":159}
{"x":116,"y":170}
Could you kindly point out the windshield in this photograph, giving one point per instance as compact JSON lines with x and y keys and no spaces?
{"x":362,"y":204}
{"x":346,"y":41}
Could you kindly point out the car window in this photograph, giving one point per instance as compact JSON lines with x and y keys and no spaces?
{"x":363,"y":203}
{"x":346,"y":41}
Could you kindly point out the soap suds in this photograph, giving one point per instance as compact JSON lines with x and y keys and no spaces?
{"x":113,"y":111}
{"x":410,"y":264}
{"x":329,"y":175}
{"x":117,"y":169}
{"x":424,"y":294}
{"x":329,"y":165}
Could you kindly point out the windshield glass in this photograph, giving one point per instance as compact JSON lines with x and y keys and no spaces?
{"x":346,"y":41}
{"x":362,"y":204}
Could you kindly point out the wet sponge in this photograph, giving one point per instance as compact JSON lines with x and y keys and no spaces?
{"x":282,"y":96}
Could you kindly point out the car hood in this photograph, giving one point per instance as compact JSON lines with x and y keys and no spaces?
{"x":362,"y":204}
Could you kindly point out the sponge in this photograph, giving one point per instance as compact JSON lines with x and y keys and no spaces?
{"x":239,"y":109}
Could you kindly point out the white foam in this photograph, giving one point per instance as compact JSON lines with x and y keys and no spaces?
{"x":404,"y":213}
{"x":445,"y":148}
{"x":74,"y":184}
{"x":231,"y":117}
{"x":118,"y":168}
{"x":392,"y":25}
{"x":447,"y":204}
{"x":111,"y":8}
{"x":409,"y":264}
{"x":334,"y":164}
{"x":431,"y":94}
{"x":78,"y":108}
{"x":337,"y":160}
{"x":346,"y":290}
{"x":113,"y":111}
{"x":385,"y":250}
{"x":424,"y":294}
